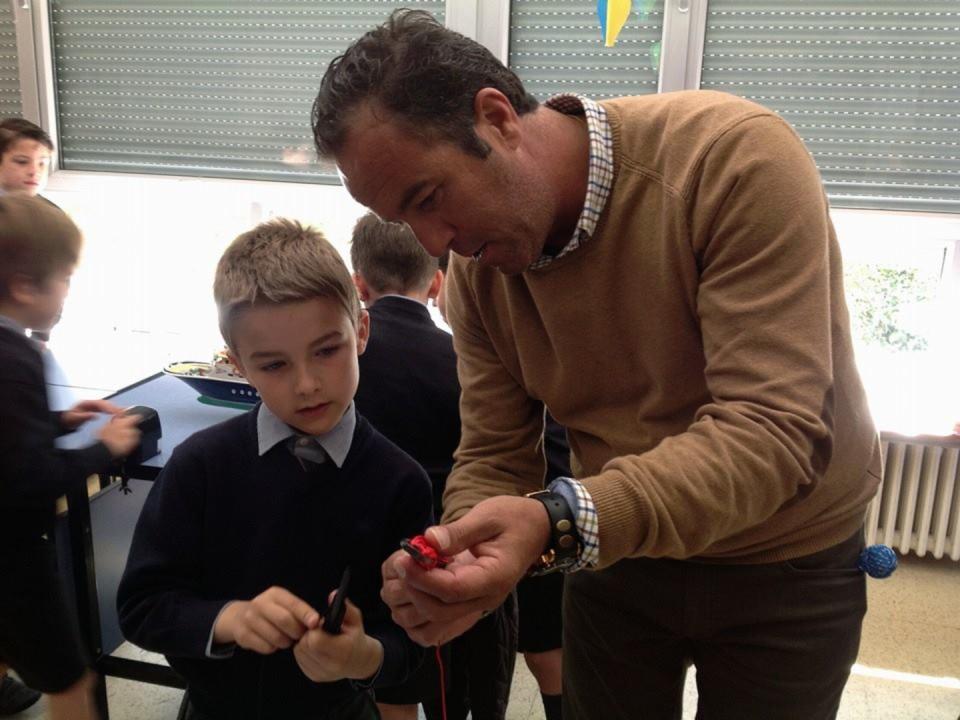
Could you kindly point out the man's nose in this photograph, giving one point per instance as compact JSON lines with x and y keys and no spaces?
{"x":435,"y":237}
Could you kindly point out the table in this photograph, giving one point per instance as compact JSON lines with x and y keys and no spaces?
{"x":100,"y":528}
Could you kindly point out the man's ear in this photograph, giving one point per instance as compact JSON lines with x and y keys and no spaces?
{"x":363,"y":331}
{"x":495,"y":120}
{"x":436,"y":285}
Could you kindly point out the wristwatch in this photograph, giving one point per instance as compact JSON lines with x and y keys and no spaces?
{"x":564,"y":547}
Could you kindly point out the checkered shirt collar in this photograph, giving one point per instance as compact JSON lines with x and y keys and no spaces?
{"x":600,"y":174}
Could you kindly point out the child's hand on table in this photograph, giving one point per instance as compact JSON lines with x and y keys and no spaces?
{"x":86,"y":410}
{"x":120,"y":435}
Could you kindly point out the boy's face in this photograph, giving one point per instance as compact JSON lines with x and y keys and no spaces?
{"x":24,"y":167}
{"x":45,"y":304}
{"x":302,"y":359}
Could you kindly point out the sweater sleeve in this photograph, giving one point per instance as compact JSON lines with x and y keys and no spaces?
{"x":760,"y":230}
{"x":159,"y":602}
{"x":412,"y":514}
{"x":33,"y":470}
{"x":500,"y":451}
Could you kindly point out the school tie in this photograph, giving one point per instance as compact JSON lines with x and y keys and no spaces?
{"x":306,"y":448}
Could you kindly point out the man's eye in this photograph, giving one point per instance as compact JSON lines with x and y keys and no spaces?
{"x":429,"y":202}
{"x":328,"y":351}
{"x":271,"y":367}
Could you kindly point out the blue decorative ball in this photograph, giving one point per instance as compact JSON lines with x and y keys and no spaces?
{"x":878,"y":561}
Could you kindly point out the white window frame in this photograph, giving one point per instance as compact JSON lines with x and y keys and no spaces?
{"x":681,"y":53}
{"x":681,"y":47}
{"x":35,"y":60}
{"x":488,"y":22}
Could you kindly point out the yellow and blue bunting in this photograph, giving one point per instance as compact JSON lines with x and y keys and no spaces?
{"x":613,"y":16}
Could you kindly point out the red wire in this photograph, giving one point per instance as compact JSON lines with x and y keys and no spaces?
{"x":443,"y":685}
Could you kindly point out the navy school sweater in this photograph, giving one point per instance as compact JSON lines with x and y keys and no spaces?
{"x":33,"y":473}
{"x":222,"y":523}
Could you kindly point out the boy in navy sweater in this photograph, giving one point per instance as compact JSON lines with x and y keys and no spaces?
{"x":252,"y":522}
{"x":39,"y":247}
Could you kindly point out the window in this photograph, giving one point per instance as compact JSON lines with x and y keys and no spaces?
{"x":9,"y":65}
{"x":873,"y":88}
{"x":902,"y":280}
{"x":555,"y":46}
{"x":222,"y":88}
{"x":216,"y":88}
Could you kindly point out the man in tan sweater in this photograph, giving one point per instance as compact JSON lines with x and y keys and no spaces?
{"x":662,"y":274}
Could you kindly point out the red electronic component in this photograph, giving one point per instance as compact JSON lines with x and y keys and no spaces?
{"x":424,"y":553}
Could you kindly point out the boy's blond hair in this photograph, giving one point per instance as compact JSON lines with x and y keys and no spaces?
{"x":37,"y":239}
{"x":280,"y":261}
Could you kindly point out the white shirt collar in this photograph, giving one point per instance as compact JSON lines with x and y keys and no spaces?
{"x":271,"y":430}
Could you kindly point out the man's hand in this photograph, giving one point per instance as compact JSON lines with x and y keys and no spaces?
{"x":493,"y":547}
{"x":275,"y":619}
{"x":352,"y":654}
{"x":86,"y":410}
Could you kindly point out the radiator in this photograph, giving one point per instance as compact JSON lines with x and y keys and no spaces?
{"x":917,"y":508}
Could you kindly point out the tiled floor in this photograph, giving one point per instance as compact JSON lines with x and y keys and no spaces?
{"x":908,"y":669}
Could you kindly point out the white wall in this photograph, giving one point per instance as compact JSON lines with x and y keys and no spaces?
{"x":142,"y":295}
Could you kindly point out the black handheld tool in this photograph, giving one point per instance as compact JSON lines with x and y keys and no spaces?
{"x":333,"y":618}
{"x":150,"y":433}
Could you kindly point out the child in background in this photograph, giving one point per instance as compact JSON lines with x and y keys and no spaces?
{"x":252,"y":522}
{"x":25,"y":151}
{"x":410,"y":392}
{"x":39,"y":247}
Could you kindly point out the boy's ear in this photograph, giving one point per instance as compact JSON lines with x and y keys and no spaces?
{"x":235,"y":359}
{"x":363,"y":331}
{"x":436,"y":285}
{"x":363,"y":290}
{"x":23,"y":289}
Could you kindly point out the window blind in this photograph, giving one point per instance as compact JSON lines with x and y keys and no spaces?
{"x":199,"y":87}
{"x":556,"y":46}
{"x":9,"y":67}
{"x":872,"y":87}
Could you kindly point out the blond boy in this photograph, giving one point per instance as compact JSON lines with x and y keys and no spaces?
{"x":251,"y":524}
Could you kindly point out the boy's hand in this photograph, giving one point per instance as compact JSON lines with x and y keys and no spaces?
{"x":120,"y":435}
{"x":275,"y":619}
{"x":352,"y":654}
{"x":86,"y":410}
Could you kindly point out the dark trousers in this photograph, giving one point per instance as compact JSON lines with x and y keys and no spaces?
{"x":359,"y":707}
{"x":769,"y":641}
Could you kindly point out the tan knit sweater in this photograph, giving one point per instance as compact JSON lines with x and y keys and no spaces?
{"x":697,"y":349}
